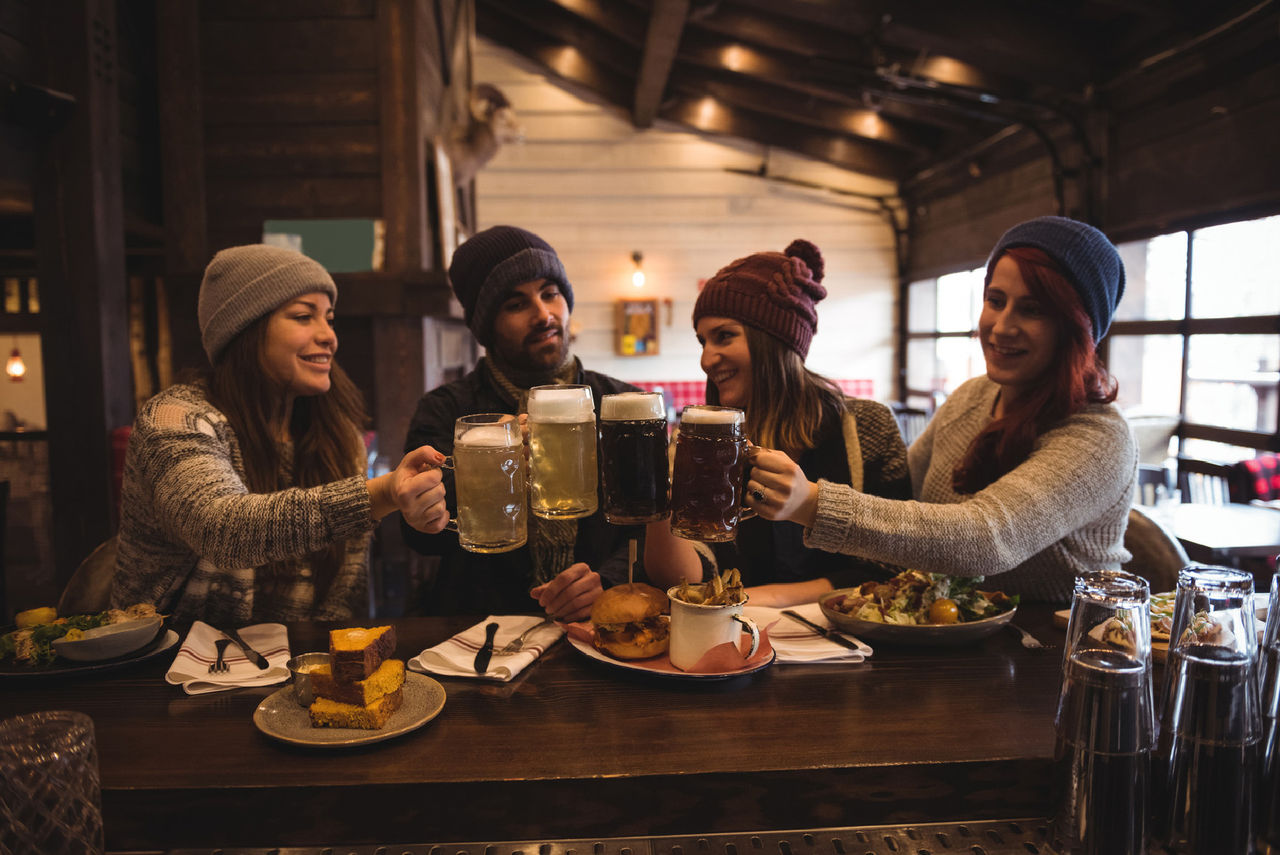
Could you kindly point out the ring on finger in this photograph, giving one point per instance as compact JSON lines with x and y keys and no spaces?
{"x":757,"y":494}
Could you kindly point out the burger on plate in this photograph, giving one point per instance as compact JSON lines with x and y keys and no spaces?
{"x":631,"y":621}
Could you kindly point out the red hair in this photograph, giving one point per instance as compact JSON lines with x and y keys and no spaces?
{"x":1075,"y":379}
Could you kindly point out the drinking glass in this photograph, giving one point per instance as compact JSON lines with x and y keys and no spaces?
{"x":562,"y":452}
{"x":49,"y":795}
{"x":1268,"y":816}
{"x":1206,"y":758}
{"x":1105,"y":721}
{"x":709,"y":473}
{"x":633,"y":458}
{"x":490,"y":482}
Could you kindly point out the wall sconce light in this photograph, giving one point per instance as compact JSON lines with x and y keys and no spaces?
{"x":15,"y":367}
{"x":637,"y":278}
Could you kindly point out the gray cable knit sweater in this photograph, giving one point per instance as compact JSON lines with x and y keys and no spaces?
{"x":191,"y":534}
{"x":1061,"y":512}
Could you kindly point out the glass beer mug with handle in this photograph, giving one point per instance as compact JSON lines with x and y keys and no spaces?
{"x":1105,"y":721}
{"x":562,"y":452}
{"x":709,"y":474}
{"x":490,"y":482}
{"x":633,"y":458}
{"x":1268,"y":831}
{"x":1206,"y":759}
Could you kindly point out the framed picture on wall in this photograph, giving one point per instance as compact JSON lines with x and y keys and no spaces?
{"x":636,"y":328}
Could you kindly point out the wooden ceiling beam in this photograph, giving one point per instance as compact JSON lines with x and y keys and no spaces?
{"x":707,"y":115}
{"x":545,"y":25}
{"x":666,"y":24}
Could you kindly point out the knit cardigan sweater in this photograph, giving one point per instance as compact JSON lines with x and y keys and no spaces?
{"x":191,"y":533}
{"x":1061,"y":512}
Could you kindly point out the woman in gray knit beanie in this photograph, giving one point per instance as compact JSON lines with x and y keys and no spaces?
{"x":244,"y":495}
{"x":1027,"y":472}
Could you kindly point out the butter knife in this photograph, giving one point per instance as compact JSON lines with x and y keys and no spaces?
{"x":829,"y":634}
{"x":486,"y":650}
{"x":254,"y":656}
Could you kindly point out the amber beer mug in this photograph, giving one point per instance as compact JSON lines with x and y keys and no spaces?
{"x":709,"y":473}
{"x":633,"y":458}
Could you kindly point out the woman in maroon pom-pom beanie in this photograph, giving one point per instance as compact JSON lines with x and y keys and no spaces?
{"x":755,"y":320}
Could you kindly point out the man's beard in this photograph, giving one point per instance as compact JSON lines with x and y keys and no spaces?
{"x":546,"y":355}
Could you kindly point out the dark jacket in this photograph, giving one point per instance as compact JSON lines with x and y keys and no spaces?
{"x":471,"y":583}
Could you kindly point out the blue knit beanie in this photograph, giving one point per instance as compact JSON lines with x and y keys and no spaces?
{"x":1087,"y":259}
{"x":488,"y":266}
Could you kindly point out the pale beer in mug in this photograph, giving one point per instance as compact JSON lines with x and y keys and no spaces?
{"x":562,"y":452}
{"x":490,"y":482}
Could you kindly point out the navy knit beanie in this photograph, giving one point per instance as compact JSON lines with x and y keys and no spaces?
{"x":1085,"y":256}
{"x":776,"y":292}
{"x":488,"y":266}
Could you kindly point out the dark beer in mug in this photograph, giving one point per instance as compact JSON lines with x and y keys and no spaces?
{"x":707,"y":479}
{"x":633,"y":458}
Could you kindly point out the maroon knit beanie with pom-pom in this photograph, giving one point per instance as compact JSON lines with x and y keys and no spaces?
{"x":772,"y":291}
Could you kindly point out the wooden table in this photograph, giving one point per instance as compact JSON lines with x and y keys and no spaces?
{"x":1219,"y":534}
{"x":574,"y":748}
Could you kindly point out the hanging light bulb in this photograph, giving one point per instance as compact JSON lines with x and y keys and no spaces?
{"x":15,"y":367}
{"x":637,"y":278}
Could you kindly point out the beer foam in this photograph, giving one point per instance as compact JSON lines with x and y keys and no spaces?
{"x":631,"y":407}
{"x":696,"y":415}
{"x":561,"y":404}
{"x":489,"y":436}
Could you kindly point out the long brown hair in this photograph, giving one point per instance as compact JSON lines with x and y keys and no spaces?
{"x":788,"y":401}
{"x":325,"y":429}
{"x":1075,"y":379}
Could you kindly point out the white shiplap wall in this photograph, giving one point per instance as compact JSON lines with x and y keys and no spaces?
{"x":596,"y":188}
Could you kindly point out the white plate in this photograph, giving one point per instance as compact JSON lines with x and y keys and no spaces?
{"x":660,"y":666}
{"x":108,"y":642}
{"x":280,"y":717}
{"x":925,"y":635}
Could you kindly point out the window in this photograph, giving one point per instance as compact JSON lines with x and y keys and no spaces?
{"x":1195,"y":335}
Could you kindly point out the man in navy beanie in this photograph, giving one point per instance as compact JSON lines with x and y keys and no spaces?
{"x":517,"y":301}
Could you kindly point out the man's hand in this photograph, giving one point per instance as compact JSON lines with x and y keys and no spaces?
{"x":570,"y":595}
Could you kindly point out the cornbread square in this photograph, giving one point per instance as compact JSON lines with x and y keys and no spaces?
{"x":330,"y":713}
{"x":355,"y":653}
{"x":384,"y":681}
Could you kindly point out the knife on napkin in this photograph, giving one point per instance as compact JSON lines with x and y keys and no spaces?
{"x":486,"y":649}
{"x":829,"y":634}
{"x":254,"y":656}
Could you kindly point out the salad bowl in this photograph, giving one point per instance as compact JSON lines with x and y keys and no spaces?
{"x":925,"y":635}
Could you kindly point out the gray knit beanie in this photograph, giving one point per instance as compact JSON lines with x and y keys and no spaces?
{"x":243,"y":283}
{"x":487,"y":267}
{"x":1088,"y":260}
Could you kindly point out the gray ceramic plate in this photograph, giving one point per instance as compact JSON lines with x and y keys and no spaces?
{"x":280,"y":717}
{"x":110,"y":641}
{"x":927,"y":635}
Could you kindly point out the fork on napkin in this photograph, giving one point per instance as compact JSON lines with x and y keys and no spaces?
{"x":797,"y":643}
{"x":190,"y":668}
{"x":456,"y":656}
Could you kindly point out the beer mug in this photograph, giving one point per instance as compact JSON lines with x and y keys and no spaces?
{"x":562,"y":452}
{"x":709,"y":474}
{"x":490,"y":483}
{"x":633,"y":458}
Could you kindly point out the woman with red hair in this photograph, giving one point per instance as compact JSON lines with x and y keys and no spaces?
{"x":1027,"y":472}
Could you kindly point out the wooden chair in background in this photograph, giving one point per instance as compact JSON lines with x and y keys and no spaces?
{"x":1157,"y":554}
{"x":1204,"y":482}
{"x":89,"y":588}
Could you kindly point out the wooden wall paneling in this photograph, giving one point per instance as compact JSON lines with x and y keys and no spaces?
{"x":233,"y":98}
{"x":183,"y":197}
{"x":16,"y":31}
{"x":80,"y":248}
{"x":302,"y":44}
{"x":311,"y":149}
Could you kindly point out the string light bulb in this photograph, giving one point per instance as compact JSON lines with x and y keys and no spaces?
{"x":15,"y":367}
{"x":637,"y":277}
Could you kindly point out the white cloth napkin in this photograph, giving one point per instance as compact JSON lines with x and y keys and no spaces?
{"x":795,"y":642}
{"x":190,"y":668}
{"x":456,"y":656}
